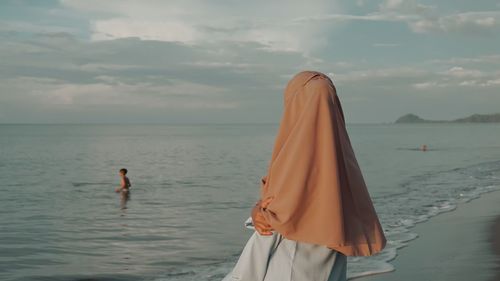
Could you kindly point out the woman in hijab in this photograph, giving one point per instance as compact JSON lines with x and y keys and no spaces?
{"x":314,"y":208}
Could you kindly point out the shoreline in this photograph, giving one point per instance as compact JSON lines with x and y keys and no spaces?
{"x":462,"y":244}
{"x":495,"y":244}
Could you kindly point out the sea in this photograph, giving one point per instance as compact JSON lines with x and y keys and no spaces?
{"x":192,"y":189}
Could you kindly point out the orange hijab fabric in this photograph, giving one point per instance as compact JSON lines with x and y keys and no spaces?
{"x":315,"y":185}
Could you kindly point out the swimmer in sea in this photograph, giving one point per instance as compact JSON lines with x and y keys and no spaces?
{"x":124,"y":188}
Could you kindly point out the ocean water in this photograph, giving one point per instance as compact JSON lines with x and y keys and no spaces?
{"x":192,"y":189}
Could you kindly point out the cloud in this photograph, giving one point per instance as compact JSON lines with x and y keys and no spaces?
{"x":407,"y":7}
{"x":162,"y":31}
{"x":23,"y":26}
{"x":391,"y":4}
{"x":424,"y":18}
{"x":376,"y":16}
{"x":198,"y":22}
{"x":110,"y":91}
{"x":420,"y":18}
{"x":458,"y":76}
{"x":465,"y":23}
{"x":491,"y":82}
{"x":380,"y":74}
{"x":423,"y":26}
{"x":460,"y":72}
{"x":48,"y":73}
{"x":478,"y":60}
{"x":404,"y":11}
{"x":219,"y":61}
{"x":470,"y":22}
{"x":424,"y":76}
{"x":223,"y":64}
{"x":427,"y":85}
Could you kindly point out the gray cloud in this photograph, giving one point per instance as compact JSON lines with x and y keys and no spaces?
{"x":189,"y":61}
{"x":421,"y":18}
{"x":195,"y":22}
{"x":59,"y":72}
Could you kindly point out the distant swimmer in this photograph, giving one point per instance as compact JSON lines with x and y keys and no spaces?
{"x":124,"y":182}
{"x":124,"y":188}
{"x":422,"y":148}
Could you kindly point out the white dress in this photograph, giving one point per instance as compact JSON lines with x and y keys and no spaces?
{"x":275,"y":258}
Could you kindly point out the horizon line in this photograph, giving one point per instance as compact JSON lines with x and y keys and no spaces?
{"x":173,"y":123}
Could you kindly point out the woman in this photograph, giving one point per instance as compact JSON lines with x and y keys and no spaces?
{"x":315,"y":209}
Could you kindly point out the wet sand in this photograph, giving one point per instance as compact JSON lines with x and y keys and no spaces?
{"x":461,"y":245}
{"x":495,"y":243}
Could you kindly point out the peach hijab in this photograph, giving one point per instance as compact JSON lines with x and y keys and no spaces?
{"x":314,"y":184}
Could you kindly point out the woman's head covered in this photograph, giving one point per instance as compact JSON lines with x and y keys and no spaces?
{"x":318,"y":192}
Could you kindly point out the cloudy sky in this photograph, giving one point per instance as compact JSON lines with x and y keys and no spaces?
{"x":88,"y":61}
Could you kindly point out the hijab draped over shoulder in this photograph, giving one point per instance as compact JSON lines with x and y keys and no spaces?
{"x":316,"y":190}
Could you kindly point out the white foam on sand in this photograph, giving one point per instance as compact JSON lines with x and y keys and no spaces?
{"x":420,"y":199}
{"x":425,"y":197}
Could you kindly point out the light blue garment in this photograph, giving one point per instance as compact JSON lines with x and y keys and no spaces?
{"x":274,"y":258}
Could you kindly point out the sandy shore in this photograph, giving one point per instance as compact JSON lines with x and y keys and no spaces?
{"x":495,"y":242}
{"x":460,"y":245}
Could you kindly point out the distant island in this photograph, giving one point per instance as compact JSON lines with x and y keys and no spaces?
{"x":475,"y":118}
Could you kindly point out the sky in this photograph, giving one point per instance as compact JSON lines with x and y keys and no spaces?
{"x":220,"y":61}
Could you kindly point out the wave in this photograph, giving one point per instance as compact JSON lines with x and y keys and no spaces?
{"x":421,"y":198}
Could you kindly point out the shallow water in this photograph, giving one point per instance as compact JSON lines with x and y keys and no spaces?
{"x":192,"y":189}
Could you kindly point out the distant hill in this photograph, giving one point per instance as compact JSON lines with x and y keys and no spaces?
{"x":411,"y":118}
{"x":480,"y":118}
{"x":475,"y":118}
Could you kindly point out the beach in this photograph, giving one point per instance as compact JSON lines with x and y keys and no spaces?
{"x":495,"y":243}
{"x":193,"y":186}
{"x":366,"y":119}
{"x":463,"y":244}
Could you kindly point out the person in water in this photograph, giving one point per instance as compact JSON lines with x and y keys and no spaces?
{"x":124,"y":188}
{"x":314,"y":208}
{"x":124,"y":181}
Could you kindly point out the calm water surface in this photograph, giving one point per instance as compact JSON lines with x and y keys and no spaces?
{"x":192,"y":188}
